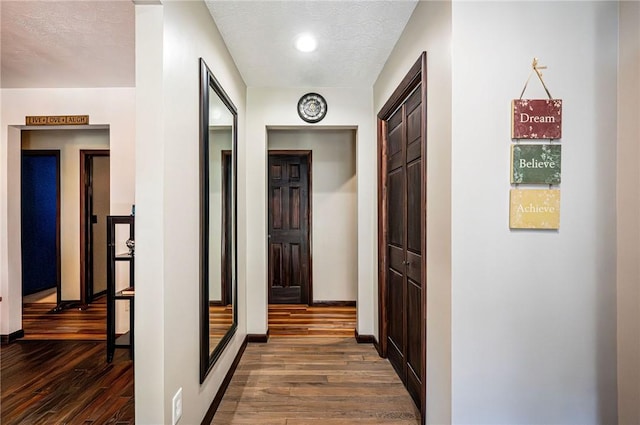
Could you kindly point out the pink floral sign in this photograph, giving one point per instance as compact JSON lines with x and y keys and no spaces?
{"x":536,"y":119}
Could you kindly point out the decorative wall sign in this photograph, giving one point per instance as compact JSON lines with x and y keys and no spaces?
{"x":534,"y":209}
{"x":535,"y":164}
{"x":536,"y":119}
{"x":57,"y":120}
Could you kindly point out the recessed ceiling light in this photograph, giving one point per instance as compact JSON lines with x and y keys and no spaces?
{"x":306,"y":43}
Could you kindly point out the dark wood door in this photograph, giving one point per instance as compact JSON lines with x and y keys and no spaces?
{"x":288,"y":238}
{"x":95,"y":207}
{"x":227,"y":201}
{"x":405,"y":215}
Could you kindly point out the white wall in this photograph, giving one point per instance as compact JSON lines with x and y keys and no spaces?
{"x":348,"y":108}
{"x":149,"y":169}
{"x":69,"y":143}
{"x":534,"y":312}
{"x":170,"y":39}
{"x":628,"y":215}
{"x":106,"y":106}
{"x":429,"y":29}
{"x":334,"y":201}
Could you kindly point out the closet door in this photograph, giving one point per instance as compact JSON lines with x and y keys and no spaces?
{"x":405,"y":218}
{"x":289,"y":239}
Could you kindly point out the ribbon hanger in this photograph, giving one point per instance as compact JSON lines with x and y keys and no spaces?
{"x":536,"y":68}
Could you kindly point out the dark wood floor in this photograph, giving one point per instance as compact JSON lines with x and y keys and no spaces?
{"x":40,"y":323}
{"x":65,"y":382}
{"x":302,"y":320}
{"x":315,"y":381}
{"x":69,"y":382}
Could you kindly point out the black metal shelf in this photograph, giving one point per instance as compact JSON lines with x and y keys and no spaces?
{"x":125,"y":340}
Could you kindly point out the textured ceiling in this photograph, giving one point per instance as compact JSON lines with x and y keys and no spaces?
{"x":355,"y":39}
{"x":67,"y":43}
{"x":91,"y":43}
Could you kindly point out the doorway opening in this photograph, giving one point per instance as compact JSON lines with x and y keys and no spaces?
{"x":40,"y":225}
{"x":402,"y":284}
{"x":69,"y":339}
{"x":226,"y":295}
{"x":70,"y":292}
{"x":312,"y":232}
{"x":94,"y":209}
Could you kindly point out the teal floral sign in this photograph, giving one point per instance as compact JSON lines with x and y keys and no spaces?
{"x":535,"y":164}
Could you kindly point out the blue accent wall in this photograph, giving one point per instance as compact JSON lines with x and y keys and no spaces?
{"x":39,"y":211}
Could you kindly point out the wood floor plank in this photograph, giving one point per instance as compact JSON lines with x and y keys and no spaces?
{"x":312,"y":381}
{"x":41,"y":323}
{"x":296,"y":320}
{"x":324,"y":377}
{"x":65,"y":382}
{"x":350,"y":421}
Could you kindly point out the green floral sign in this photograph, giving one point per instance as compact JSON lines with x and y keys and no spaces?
{"x":535,"y":164}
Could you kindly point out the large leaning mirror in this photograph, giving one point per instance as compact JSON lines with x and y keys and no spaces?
{"x":218,"y":271}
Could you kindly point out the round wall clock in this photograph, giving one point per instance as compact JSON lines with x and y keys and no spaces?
{"x":312,"y":107}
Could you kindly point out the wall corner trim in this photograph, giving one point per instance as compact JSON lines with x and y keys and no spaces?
{"x":333,"y":304}
{"x":260,"y":338}
{"x":365,"y":339}
{"x":12,"y":337}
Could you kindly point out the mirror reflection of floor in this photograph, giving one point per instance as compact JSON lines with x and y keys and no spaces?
{"x":220,"y":319}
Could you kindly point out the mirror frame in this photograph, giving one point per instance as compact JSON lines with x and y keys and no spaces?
{"x":207,"y":356}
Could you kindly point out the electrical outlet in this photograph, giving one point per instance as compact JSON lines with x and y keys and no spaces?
{"x":176,"y":411}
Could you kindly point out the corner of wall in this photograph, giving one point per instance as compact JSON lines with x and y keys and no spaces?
{"x":149,"y":169}
{"x":628,"y":215}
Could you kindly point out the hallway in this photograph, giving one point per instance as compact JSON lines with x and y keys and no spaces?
{"x":486,"y":298}
{"x":313,"y":381}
